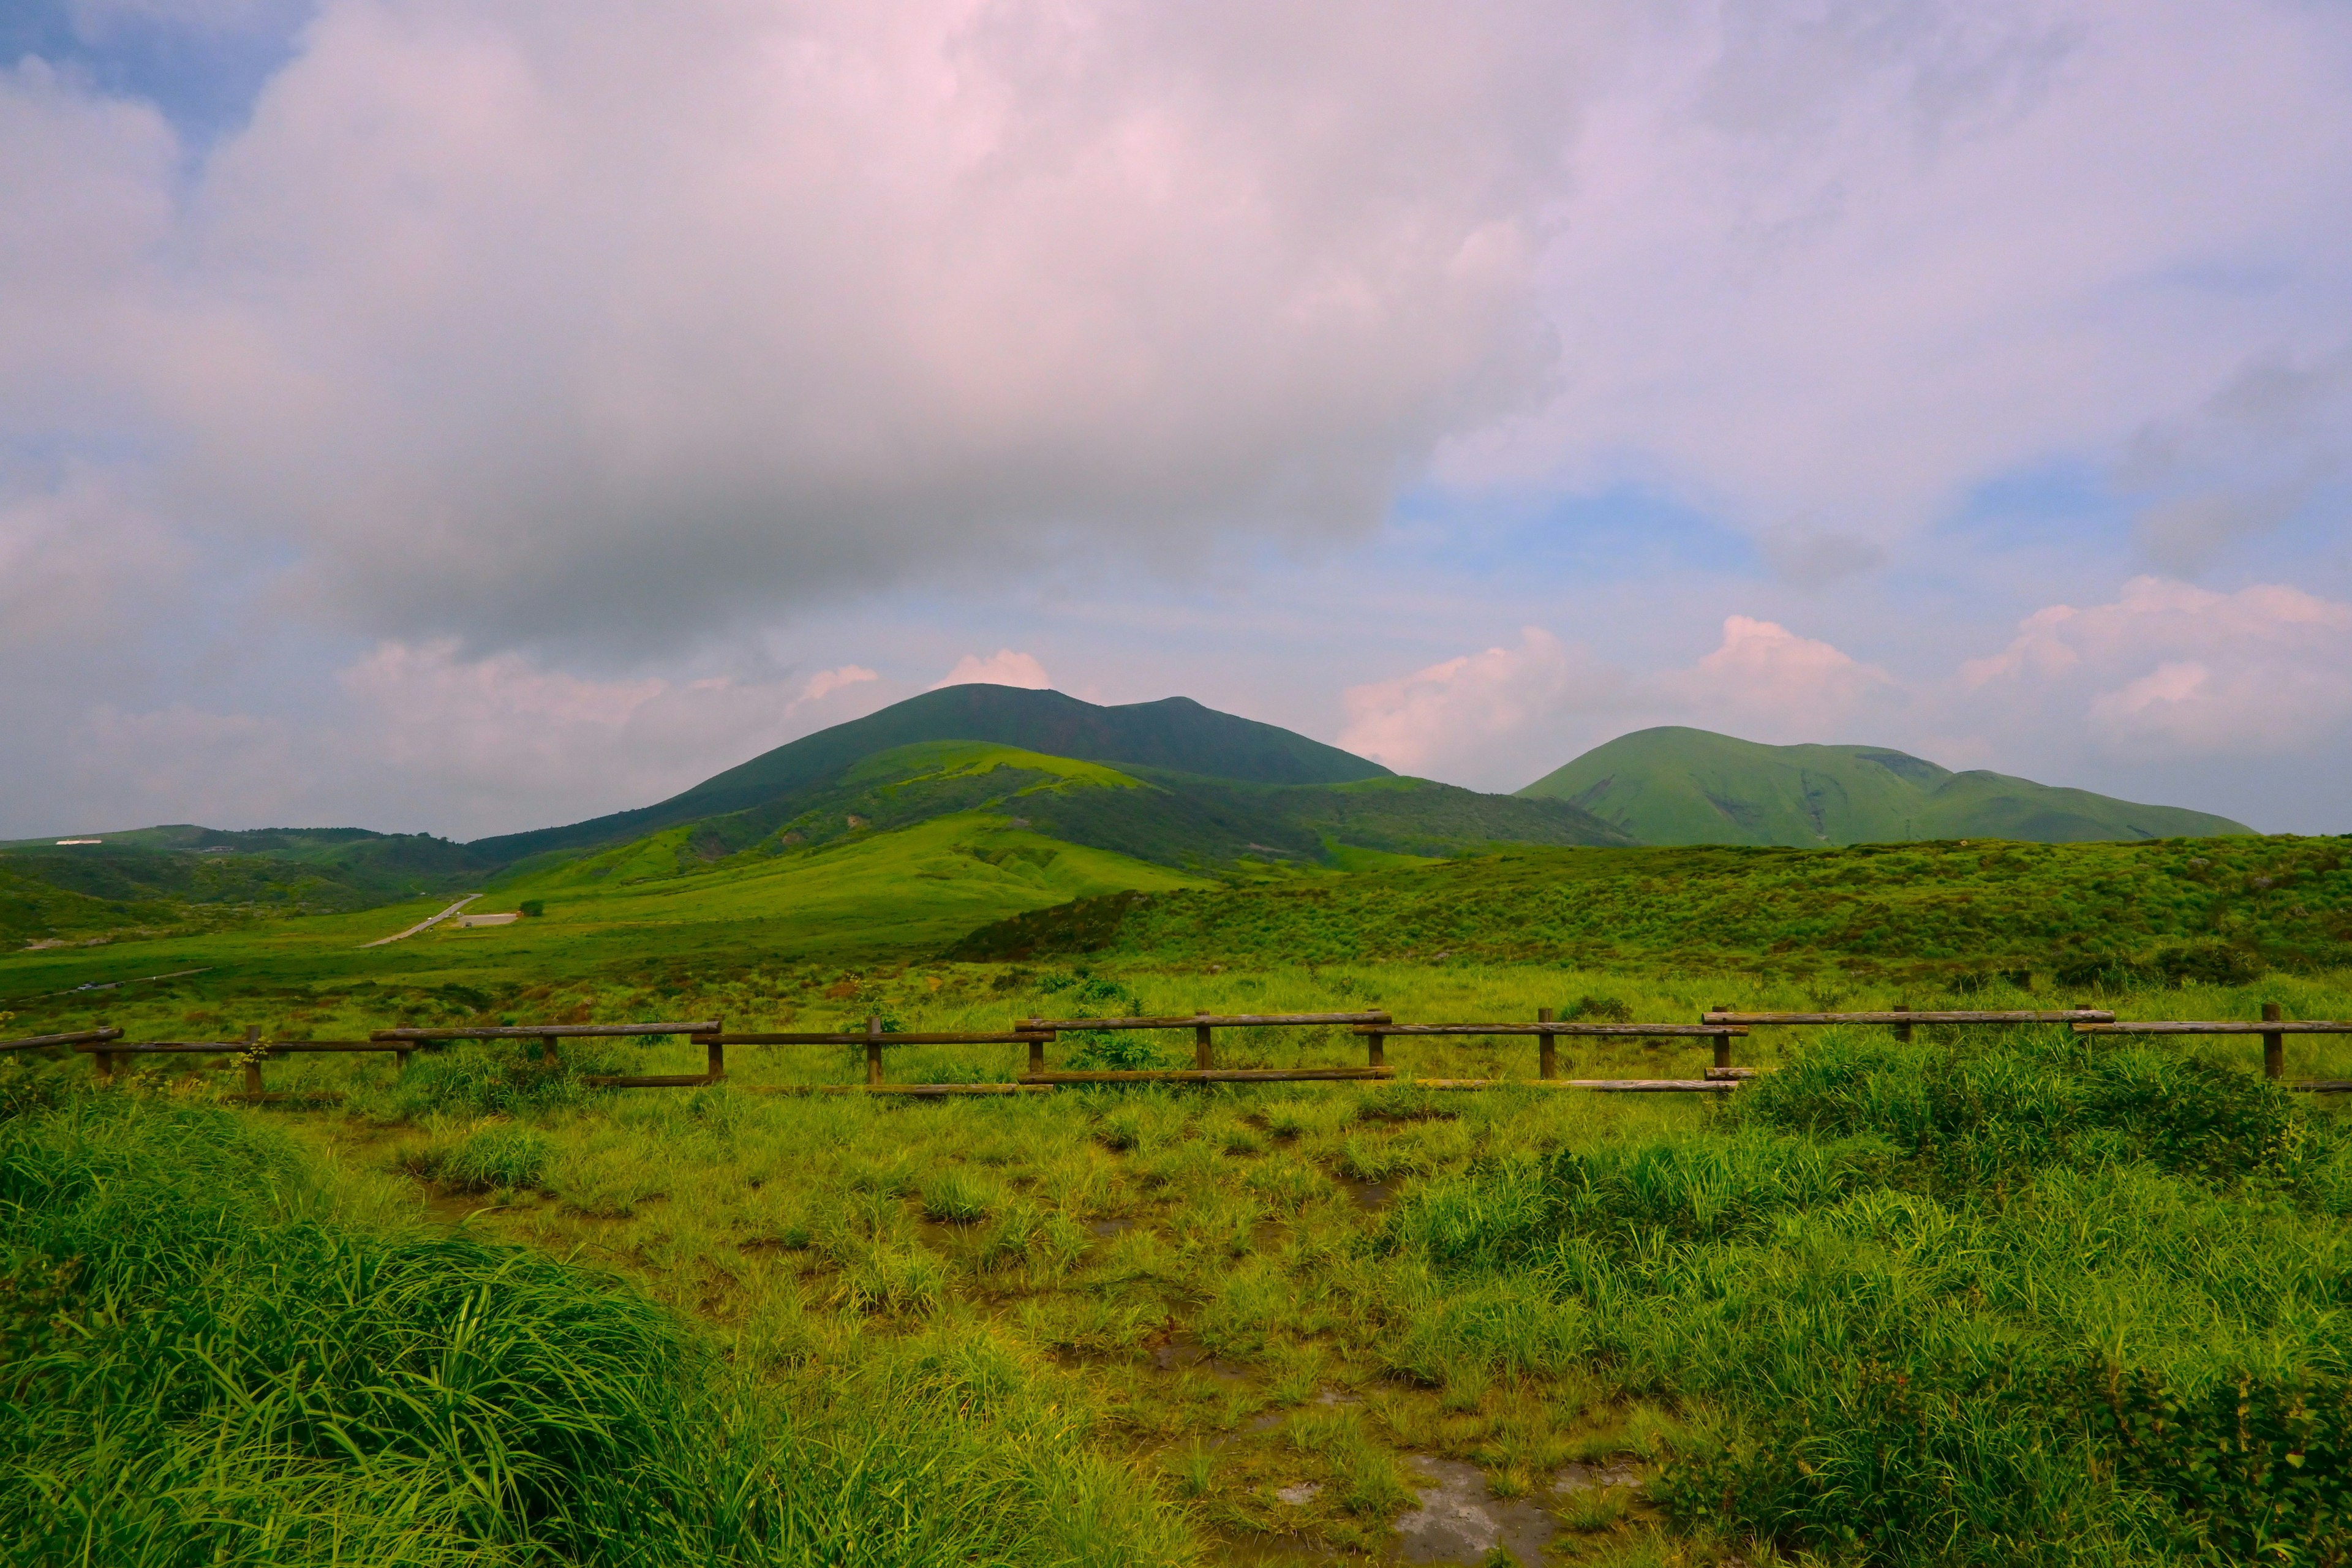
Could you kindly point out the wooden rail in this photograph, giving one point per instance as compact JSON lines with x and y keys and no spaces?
{"x":876,"y":1041}
{"x":1546,"y":1031}
{"x":1721,"y":1026}
{"x":547,"y":1034}
{"x":1204,"y":1069}
{"x":33,"y":1042}
{"x":2271,"y":1027}
{"x":251,"y":1052}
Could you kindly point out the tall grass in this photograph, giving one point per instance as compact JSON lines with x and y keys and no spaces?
{"x":197,"y":1372}
{"x":2000,"y":1300}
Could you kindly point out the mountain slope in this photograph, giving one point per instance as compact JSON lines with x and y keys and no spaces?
{"x":1174,"y":733}
{"x":184,"y":876}
{"x":1151,"y":815}
{"x":1675,"y":785}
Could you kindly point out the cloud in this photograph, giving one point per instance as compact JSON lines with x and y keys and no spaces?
{"x":1505,"y":717}
{"x":1002,"y":667}
{"x":1811,"y":558}
{"x":1457,"y":715}
{"x":1853,"y":262}
{"x":594,"y":325}
{"x":826,"y":682}
{"x":2170,"y":669}
{"x":1764,"y":682}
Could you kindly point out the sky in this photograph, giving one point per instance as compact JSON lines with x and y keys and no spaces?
{"x":469,"y":416}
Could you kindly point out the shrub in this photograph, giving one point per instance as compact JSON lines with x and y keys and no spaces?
{"x":487,"y":1159}
{"x":954,"y":1196}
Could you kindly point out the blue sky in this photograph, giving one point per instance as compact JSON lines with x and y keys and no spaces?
{"x":471,"y":416}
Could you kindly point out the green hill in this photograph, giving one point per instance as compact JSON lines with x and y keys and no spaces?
{"x":1674,"y":785}
{"x":2211,"y":909}
{"x":1149,"y":815}
{"x":1175,"y":732}
{"x":182,"y":877}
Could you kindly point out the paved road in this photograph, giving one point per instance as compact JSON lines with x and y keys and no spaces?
{"x":420,"y":925}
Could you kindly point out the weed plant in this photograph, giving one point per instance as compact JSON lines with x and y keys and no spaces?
{"x":202,"y":1368}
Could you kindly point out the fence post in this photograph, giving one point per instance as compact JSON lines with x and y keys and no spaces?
{"x":1037,"y":1054}
{"x":1723,"y":1051}
{"x":716,"y":1051}
{"x":1375,"y":1052}
{"x":1902,"y":1031}
{"x":872,"y":1048}
{"x":1204,"y":1050}
{"x":252,"y":1062}
{"x":400,"y":1064}
{"x":2273,"y":1044}
{"x":1547,"y":1057}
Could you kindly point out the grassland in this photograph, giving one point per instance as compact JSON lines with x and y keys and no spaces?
{"x":1990,"y":1297}
{"x":1940,"y":911}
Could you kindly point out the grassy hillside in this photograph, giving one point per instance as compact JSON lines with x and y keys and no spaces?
{"x":2210,"y":908}
{"x":1674,"y":785}
{"x":1175,"y":732}
{"x":1174,"y":819}
{"x":185,"y":879}
{"x":655,"y":902}
{"x":1990,"y":1298}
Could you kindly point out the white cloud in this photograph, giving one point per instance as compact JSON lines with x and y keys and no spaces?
{"x":1507,"y":716}
{"x":2172,"y":669}
{"x":1459,"y":714}
{"x":1766,"y":683}
{"x":1002,"y":667}
{"x":826,"y":682}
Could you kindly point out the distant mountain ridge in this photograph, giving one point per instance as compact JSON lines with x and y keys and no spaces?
{"x":1678,"y":785}
{"x":1174,"y":733}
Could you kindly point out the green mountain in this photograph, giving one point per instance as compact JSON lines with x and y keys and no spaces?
{"x":1674,"y":785}
{"x":1174,"y":733}
{"x":1154,"y":815}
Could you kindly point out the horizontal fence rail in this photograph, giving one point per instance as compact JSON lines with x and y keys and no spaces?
{"x":1546,"y":1031}
{"x":2271,"y":1027}
{"x":107,"y":1048}
{"x":250,"y":1052}
{"x":547,"y":1035}
{"x":1904,"y":1017}
{"x":876,"y":1040}
{"x":1204,"y":1069}
{"x":32,"y":1042}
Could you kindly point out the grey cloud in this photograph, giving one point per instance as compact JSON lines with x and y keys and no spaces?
{"x":1814,"y":558}
{"x":2248,"y":461}
{"x":616,"y":326}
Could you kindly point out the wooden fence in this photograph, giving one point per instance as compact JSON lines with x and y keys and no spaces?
{"x":1721,"y":1025}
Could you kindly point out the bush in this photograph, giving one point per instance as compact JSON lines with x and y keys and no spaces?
{"x":531,"y":909}
{"x":487,"y":1159}
{"x":501,"y":1077}
{"x":195,"y":1376}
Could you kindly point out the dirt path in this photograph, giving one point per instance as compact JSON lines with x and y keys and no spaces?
{"x":420,"y":925}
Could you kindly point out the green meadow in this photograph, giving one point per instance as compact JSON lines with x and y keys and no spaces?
{"x":1990,"y":1296}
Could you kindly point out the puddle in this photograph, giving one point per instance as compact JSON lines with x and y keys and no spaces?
{"x":1190,"y":1355}
{"x":1300,"y":1495}
{"x":1372,"y":1194}
{"x":1337,"y":1396}
{"x":1459,"y":1520}
{"x":1109,"y":1227}
{"x":1587,"y":1478}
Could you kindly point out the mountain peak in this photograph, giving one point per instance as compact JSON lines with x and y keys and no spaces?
{"x":1673,"y":784}
{"x":1175,"y":733}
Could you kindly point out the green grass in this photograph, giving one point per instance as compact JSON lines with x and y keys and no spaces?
{"x":1990,"y":1296}
{"x":2074,"y":914}
{"x":1677,"y":785}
